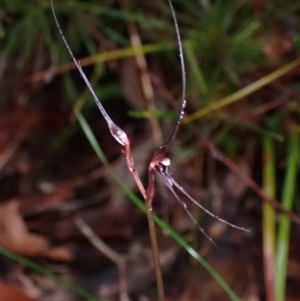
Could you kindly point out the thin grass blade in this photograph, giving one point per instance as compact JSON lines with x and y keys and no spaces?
{"x":269,"y":219}
{"x":43,"y":271}
{"x":243,"y":92}
{"x":284,"y":228}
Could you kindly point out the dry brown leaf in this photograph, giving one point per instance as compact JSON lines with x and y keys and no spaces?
{"x":14,"y":233}
{"x":16,"y":237}
{"x":11,"y":293}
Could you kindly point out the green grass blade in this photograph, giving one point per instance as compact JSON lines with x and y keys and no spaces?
{"x":198,"y":76}
{"x":269,"y":218}
{"x":288,"y":196}
{"x":36,"y":267}
{"x":243,"y":92}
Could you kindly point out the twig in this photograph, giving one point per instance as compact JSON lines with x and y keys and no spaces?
{"x":108,"y":252}
{"x":8,"y":153}
{"x":278,"y":101}
{"x":144,"y":76}
{"x":217,"y":154}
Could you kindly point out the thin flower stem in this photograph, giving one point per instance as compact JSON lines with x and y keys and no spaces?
{"x":155,"y":251}
{"x":148,"y":196}
{"x":168,"y":143}
{"x":132,"y":169}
